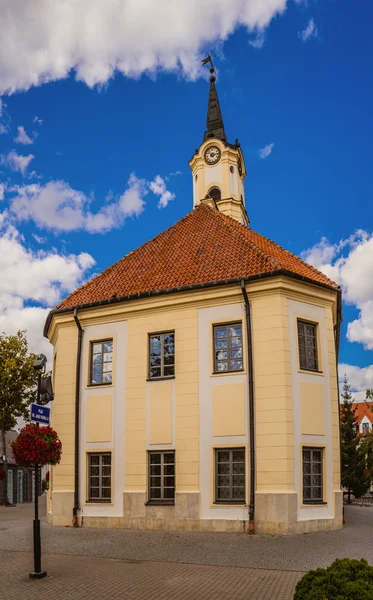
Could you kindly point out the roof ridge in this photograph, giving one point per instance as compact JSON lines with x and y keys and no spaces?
{"x":108,"y":269}
{"x":232,"y":226}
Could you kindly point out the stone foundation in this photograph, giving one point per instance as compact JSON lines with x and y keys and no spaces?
{"x":186,"y":506}
{"x":150,"y":524}
{"x":62,"y":509}
{"x":275,"y":514}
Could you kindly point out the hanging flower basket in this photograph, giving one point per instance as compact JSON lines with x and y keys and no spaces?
{"x":37,"y":446}
{"x":2,"y":474}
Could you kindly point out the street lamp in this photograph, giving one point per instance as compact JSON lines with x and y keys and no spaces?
{"x":39,"y":368}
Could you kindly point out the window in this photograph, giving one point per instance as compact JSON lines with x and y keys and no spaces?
{"x":230,"y":475}
{"x":365,"y":427}
{"x":99,"y":483}
{"x":162,"y":477}
{"x":214,"y":193}
{"x":228,"y":348}
{"x":101,"y":362}
{"x":162,"y":355}
{"x":307,"y":346}
{"x":312,"y":475}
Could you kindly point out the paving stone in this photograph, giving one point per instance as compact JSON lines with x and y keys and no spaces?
{"x":80,"y":578}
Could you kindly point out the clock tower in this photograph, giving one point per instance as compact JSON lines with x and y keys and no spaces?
{"x":218,"y":167}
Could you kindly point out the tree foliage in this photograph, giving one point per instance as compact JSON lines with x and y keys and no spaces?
{"x":18,"y":383}
{"x":18,"y":386}
{"x":353,"y":452}
{"x":345,"y":579}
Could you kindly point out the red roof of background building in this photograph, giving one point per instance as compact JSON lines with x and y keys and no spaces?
{"x":363,"y":409}
{"x":203,"y":247}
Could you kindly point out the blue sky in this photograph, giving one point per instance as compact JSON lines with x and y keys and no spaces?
{"x":293,"y":77}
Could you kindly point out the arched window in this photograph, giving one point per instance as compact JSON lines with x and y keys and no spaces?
{"x":215,"y":193}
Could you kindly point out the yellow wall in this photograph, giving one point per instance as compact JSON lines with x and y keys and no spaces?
{"x":233,"y":209}
{"x":160,"y":413}
{"x":228,"y":406}
{"x":312,"y":408}
{"x":329,"y":325}
{"x":98,"y":418}
{"x":63,"y":410}
{"x":184,"y":322}
{"x":273,"y":394}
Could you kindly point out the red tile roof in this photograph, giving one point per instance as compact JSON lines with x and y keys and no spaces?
{"x":363,"y":409}
{"x":205,"y":246}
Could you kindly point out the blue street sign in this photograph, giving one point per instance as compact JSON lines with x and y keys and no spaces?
{"x":40,"y":414}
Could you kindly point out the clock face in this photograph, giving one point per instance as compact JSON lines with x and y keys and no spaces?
{"x":212,"y":155}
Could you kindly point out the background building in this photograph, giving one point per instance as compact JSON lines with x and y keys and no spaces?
{"x":20,"y":480}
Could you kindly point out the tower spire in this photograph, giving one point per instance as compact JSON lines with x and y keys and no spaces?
{"x":214,"y":120}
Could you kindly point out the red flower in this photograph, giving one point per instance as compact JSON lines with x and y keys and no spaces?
{"x":37,"y":446}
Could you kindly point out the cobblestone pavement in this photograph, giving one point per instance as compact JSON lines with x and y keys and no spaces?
{"x":86,"y":578}
{"x":21,"y":511}
{"x":297,"y":552}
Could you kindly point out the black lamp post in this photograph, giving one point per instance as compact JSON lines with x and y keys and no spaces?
{"x":39,"y":368}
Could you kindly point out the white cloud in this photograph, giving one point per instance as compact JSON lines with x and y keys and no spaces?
{"x":258,"y":41}
{"x":4,"y":119}
{"x":359,"y":378}
{"x":37,"y":120}
{"x":39,"y":239}
{"x":58,"y":207}
{"x":16,"y":162}
{"x":310,"y":31}
{"x":158,"y":187}
{"x":266,"y":151}
{"x":2,"y":191}
{"x":98,"y":38}
{"x":36,"y":277}
{"x":22,"y":137}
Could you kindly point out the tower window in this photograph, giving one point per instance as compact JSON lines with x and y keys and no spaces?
{"x":231,"y":169}
{"x":215,"y":193}
{"x":307,"y":342}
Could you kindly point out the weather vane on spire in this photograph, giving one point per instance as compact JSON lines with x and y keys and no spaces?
{"x":207,"y":60}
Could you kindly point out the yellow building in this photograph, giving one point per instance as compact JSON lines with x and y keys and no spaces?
{"x":195,"y":380}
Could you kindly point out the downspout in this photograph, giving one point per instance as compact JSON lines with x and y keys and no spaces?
{"x":250,"y":376}
{"x":337,"y":336}
{"x":77,"y":420}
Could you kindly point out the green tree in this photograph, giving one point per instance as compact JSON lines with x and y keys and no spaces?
{"x":353,"y":452}
{"x":18,"y":387}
